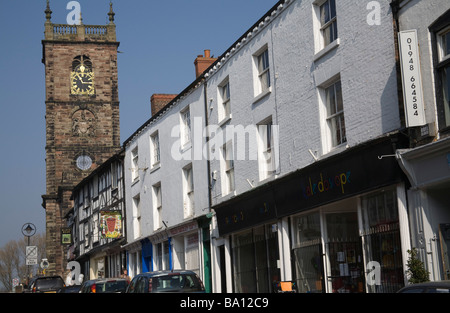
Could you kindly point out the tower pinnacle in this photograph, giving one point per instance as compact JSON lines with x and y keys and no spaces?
{"x":48,"y":12}
{"x":111,"y":13}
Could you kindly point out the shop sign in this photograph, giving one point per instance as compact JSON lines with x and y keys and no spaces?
{"x":66,"y":236}
{"x":111,"y":224}
{"x":247,"y":212}
{"x":353,"y":172}
{"x":411,"y":78}
{"x":183,"y":229}
{"x":337,"y":178}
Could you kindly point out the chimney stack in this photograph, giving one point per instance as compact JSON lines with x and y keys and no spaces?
{"x":203,"y":62}
{"x":158,"y":101}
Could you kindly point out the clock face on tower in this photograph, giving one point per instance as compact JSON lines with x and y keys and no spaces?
{"x":82,"y":81}
{"x":84,"y":162}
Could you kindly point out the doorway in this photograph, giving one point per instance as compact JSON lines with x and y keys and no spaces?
{"x":345,"y":267}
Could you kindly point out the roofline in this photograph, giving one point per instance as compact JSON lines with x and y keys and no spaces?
{"x":204,"y":75}
{"x":250,"y":30}
{"x":193,"y":85}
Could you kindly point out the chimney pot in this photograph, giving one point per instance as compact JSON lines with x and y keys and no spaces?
{"x":203,"y":62}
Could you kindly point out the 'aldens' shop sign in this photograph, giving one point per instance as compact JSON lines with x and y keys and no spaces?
{"x":350,"y":173}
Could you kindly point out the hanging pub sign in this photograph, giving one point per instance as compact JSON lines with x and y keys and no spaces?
{"x":411,"y":78}
{"x":111,"y":224}
{"x":66,"y":236}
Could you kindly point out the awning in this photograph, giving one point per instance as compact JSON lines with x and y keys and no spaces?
{"x":426,"y":166}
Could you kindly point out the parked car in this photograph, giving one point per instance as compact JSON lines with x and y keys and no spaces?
{"x":442,"y":286}
{"x":46,"y":284}
{"x":104,"y":285}
{"x":70,"y":289}
{"x":166,"y":281}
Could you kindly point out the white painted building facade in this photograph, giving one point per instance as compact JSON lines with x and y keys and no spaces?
{"x":167,"y":189}
{"x":427,"y":163}
{"x":323,"y":75}
{"x":297,"y":149}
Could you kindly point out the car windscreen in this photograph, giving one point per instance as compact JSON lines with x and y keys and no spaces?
{"x":50,"y":283}
{"x":115,"y":286}
{"x":176,"y":282}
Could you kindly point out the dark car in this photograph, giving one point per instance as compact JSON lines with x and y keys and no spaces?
{"x":104,"y":285}
{"x":70,"y":289}
{"x":166,"y":281}
{"x":442,"y":286}
{"x":46,"y":284}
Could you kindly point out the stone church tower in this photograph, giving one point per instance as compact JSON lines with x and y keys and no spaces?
{"x":82,"y":116}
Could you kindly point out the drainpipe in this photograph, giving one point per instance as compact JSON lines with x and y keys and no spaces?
{"x":208,"y":164}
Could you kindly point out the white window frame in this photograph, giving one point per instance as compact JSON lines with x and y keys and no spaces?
{"x":86,"y":233}
{"x":136,"y":216}
{"x":224,"y":94}
{"x":442,"y":64}
{"x":188,"y":188}
{"x":185,"y":131}
{"x":441,"y":42}
{"x":261,"y":72}
{"x":155,"y":152}
{"x":135,"y":164}
{"x":157,"y":204}
{"x":95,"y":228}
{"x":267,"y":144}
{"x":320,"y":27}
{"x":227,"y":168}
{"x":329,"y":139}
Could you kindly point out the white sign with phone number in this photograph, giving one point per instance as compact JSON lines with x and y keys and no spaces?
{"x":412,"y":83}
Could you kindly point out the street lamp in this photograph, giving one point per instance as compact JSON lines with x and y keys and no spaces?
{"x":28,"y":230}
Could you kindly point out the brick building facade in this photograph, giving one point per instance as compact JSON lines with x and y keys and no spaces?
{"x":82,"y":116}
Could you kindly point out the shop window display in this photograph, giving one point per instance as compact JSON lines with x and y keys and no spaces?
{"x":343,"y":245}
{"x":308,"y":253}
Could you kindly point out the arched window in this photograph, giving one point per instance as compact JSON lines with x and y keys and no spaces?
{"x":82,"y":60}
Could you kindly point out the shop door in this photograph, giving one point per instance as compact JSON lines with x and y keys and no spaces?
{"x":444,"y":236}
{"x":255,"y":255}
{"x":345,"y":268}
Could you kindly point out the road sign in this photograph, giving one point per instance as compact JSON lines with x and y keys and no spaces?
{"x":31,"y":255}
{"x":44,"y":264}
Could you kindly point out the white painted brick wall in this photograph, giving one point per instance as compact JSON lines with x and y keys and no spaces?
{"x":364,"y":59}
{"x":169,"y":174}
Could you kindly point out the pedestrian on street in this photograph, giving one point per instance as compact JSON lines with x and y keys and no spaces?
{"x":125,"y":275}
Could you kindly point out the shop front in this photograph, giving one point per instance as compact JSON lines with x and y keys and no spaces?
{"x":177,"y":247}
{"x":353,"y":245}
{"x":249,"y":243}
{"x":428,"y":170}
{"x":339,"y":225}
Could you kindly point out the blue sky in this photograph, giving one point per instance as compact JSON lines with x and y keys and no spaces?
{"x":159,"y":41}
